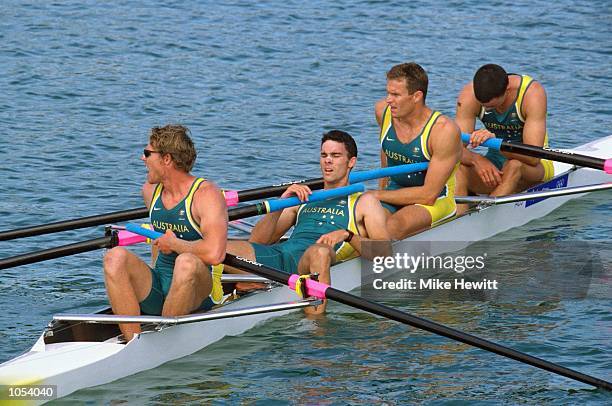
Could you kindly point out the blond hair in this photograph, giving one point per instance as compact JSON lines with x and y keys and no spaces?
{"x":174,"y":139}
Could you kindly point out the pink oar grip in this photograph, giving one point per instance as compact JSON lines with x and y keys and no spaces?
{"x":231,"y":197}
{"x":608,"y":166}
{"x":313,"y":288}
{"x":129,"y":238}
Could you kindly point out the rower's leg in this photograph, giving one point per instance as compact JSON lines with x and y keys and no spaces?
{"x":518,"y":176}
{"x":191,"y":284}
{"x":318,"y":258}
{"x":510,"y":178}
{"x":242,"y":249}
{"x":474,"y":183}
{"x":461,"y":187}
{"x":531,"y":176}
{"x":407,"y":221}
{"x":128,"y":282}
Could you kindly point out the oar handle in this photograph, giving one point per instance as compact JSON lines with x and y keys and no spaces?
{"x":279,"y":204}
{"x":545,"y":153}
{"x":492,"y":143}
{"x":136,"y":229}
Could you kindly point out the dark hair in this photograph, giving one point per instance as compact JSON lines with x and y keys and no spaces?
{"x":414,"y":75}
{"x":174,"y":139}
{"x":343,"y":137}
{"x":490,"y":81}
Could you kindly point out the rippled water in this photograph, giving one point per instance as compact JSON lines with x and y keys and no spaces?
{"x":82,"y":82}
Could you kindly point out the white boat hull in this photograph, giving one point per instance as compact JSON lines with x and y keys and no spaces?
{"x":76,"y":365}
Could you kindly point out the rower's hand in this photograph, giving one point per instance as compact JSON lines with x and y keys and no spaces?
{"x":165,"y":242}
{"x":300,"y":191}
{"x":480,"y":136}
{"x":333,"y":238}
{"x":488,"y":173}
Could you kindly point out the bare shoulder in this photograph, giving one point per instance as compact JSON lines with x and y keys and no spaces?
{"x":147,"y":192}
{"x":379,"y":109}
{"x":466,"y":101}
{"x":467,"y":93}
{"x":445,"y":127}
{"x":445,"y":134}
{"x":209,"y":191}
{"x":534,"y":99}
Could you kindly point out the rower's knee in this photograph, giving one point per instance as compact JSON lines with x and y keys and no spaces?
{"x":395,"y":227}
{"x":512,"y":168}
{"x":186,"y":268}
{"x":319,"y":256}
{"x":115,"y":263}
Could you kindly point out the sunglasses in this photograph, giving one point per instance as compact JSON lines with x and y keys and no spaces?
{"x":147,"y":152}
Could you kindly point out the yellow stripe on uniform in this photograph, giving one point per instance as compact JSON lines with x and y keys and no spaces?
{"x":188,"y":202}
{"x":216,"y":294}
{"x":346,"y":250}
{"x":426,"y":132}
{"x":386,"y":124}
{"x":156,"y":195}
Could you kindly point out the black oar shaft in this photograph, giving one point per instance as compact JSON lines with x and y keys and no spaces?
{"x":433,"y":327}
{"x":74,"y":224}
{"x":276,"y":190}
{"x":237,"y":213}
{"x":566,"y":157}
{"x":134,"y":214}
{"x":57,"y":252}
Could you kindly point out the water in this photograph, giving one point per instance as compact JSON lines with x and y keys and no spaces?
{"x":82,"y":82}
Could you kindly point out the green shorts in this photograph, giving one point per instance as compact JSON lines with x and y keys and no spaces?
{"x":161,"y":281}
{"x":284,"y":256}
{"x":496,"y":159}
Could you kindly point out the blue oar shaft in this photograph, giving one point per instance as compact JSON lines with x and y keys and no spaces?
{"x":362,"y":176}
{"x":279,"y":204}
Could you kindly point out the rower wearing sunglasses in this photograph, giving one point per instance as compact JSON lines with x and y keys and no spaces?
{"x":192,"y":213}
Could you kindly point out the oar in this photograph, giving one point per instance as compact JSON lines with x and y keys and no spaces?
{"x":546,"y":153}
{"x":232,"y":197}
{"x":128,"y":237}
{"x":323,"y":291}
{"x":540,"y":194}
{"x":71,"y":249}
{"x":268,"y":206}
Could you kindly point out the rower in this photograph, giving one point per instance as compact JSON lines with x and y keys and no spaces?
{"x":412,"y":132}
{"x":511,"y":107}
{"x":192,"y":213}
{"x":325,"y":232}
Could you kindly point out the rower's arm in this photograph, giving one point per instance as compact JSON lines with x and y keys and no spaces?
{"x":147,"y":195}
{"x":468,"y":109}
{"x":379,"y":110}
{"x":273,"y":226}
{"x":383,"y":182}
{"x":210,"y":207}
{"x":534,"y":130}
{"x":445,"y":144}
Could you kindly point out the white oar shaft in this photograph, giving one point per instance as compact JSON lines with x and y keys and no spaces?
{"x":542,"y":194}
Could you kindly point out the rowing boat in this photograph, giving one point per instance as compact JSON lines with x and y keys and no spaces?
{"x":80,"y":351}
